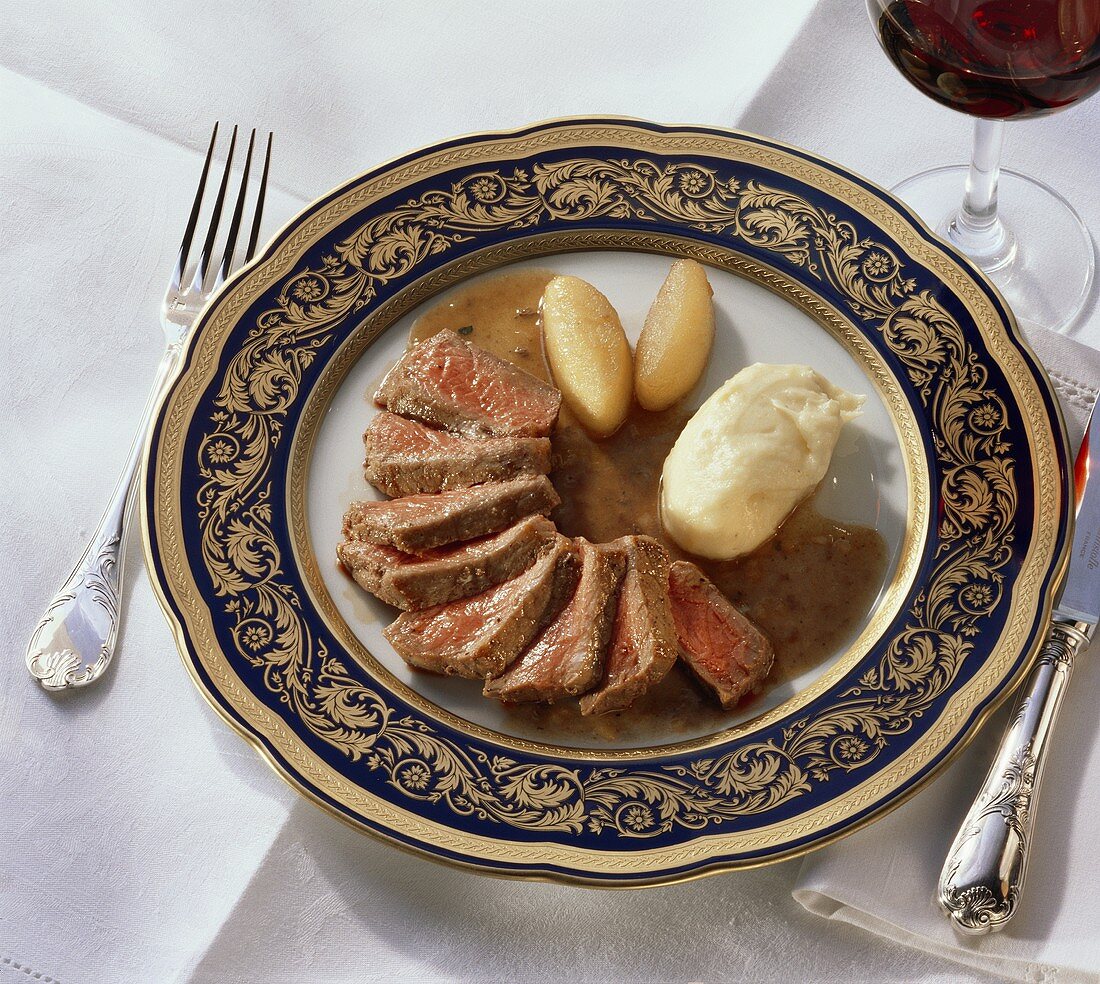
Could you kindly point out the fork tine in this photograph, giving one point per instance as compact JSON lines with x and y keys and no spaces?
{"x":255,"y":235}
{"x":193,"y":218}
{"x":215,"y":218}
{"x":235,"y":223}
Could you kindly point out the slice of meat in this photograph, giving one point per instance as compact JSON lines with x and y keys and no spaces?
{"x":729,"y":654}
{"x":568,"y":656}
{"x":415,"y":581}
{"x":478,"y":637}
{"x":643,"y":636}
{"x":405,"y":458}
{"x":447,"y":382}
{"x":420,"y":522}
{"x":371,"y":564}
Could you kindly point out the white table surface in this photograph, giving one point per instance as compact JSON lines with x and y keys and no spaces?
{"x":104,"y":110}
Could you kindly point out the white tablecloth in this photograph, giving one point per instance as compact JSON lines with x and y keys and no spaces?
{"x":140,"y":840}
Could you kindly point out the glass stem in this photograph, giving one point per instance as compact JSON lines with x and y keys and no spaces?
{"x":976,"y":228}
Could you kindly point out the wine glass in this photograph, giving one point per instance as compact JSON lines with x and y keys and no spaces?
{"x":998,"y":60}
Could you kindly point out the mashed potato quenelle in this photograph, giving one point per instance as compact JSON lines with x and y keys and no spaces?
{"x":759,"y":445}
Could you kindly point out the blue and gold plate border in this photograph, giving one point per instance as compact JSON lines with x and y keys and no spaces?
{"x":985,"y":455}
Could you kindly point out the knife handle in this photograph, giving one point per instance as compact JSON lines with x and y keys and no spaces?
{"x":984,"y":873}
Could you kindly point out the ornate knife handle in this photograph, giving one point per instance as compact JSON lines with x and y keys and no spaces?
{"x":984,"y":873}
{"x":73,"y":643}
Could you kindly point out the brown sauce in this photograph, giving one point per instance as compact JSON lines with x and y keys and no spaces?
{"x":809,"y":588}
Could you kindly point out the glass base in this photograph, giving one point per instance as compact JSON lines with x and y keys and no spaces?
{"x":1044,"y":263}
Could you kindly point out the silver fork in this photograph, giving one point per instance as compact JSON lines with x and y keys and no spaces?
{"x":74,"y":642}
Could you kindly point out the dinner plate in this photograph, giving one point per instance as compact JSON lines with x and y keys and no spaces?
{"x":958,"y":462}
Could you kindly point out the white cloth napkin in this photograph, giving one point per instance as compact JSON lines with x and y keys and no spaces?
{"x":883,"y":878}
{"x":140,"y":840}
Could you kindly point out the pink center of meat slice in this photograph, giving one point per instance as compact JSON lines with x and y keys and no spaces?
{"x":411,"y":437}
{"x":712,"y":633}
{"x":690,"y":613}
{"x":706,"y":634}
{"x":503,"y":400}
{"x":450,"y":628}
{"x":622,"y":656}
{"x":553,"y":644}
{"x":464,"y":378}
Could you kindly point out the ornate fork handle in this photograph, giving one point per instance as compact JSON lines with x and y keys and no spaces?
{"x":984,"y":873}
{"x":75,"y":640}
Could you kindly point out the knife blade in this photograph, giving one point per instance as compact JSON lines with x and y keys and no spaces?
{"x":1080,"y":601}
{"x":983,"y":876}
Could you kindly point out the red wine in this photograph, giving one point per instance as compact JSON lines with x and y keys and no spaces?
{"x":996,"y":58}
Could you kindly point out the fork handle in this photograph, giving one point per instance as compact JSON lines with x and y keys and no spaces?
{"x":75,"y":640}
{"x":984,"y":873}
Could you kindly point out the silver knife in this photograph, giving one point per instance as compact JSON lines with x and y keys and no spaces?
{"x":984,"y":873}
